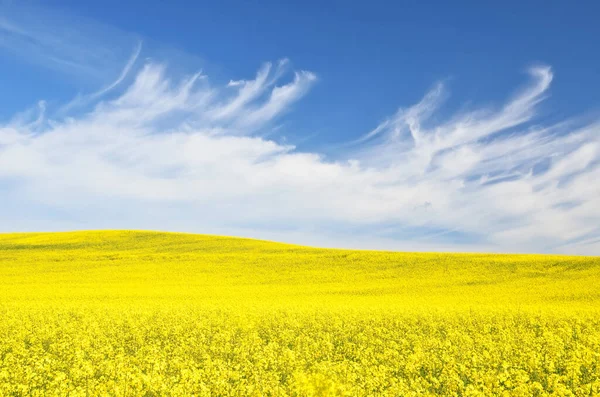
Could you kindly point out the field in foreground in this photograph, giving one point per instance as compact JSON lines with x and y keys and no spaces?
{"x":156,"y":314}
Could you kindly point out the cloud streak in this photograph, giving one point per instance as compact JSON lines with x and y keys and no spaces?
{"x":82,"y":100}
{"x":73,"y":45}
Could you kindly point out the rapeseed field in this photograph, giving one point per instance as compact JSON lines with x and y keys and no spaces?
{"x":127,"y":313}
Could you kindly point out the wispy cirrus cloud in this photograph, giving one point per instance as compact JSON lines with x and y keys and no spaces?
{"x":73,"y":45}
{"x":153,"y":150}
{"x":82,"y":100}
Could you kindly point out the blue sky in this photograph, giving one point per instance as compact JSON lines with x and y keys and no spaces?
{"x":398,"y":125}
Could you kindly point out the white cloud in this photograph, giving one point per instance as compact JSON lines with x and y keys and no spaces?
{"x":82,"y":100}
{"x":184,"y":154}
{"x":79,"y":47}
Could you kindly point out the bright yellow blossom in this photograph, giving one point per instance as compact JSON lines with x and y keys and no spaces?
{"x":128,"y":313}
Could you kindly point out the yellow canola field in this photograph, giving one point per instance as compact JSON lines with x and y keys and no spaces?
{"x":127,"y":313}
